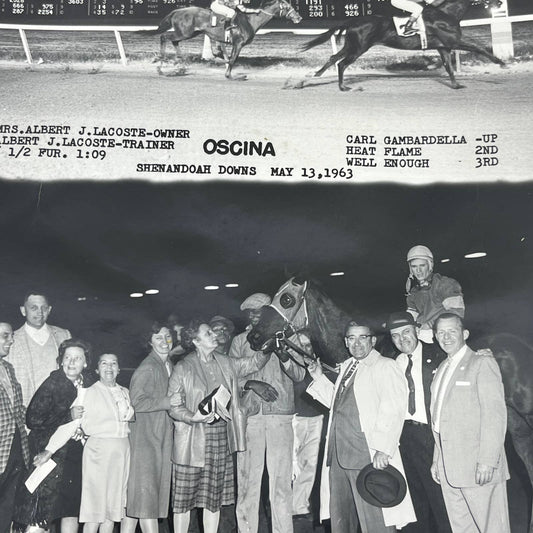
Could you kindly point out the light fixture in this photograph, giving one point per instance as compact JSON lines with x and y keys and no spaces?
{"x":211,"y":287}
{"x":152,"y":291}
{"x":136,"y":295}
{"x":82,"y":298}
{"x":231,"y":285}
{"x":475,"y":255}
{"x":336,"y":274}
{"x":445,"y":260}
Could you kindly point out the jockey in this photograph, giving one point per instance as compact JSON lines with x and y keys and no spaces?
{"x":412,"y":7}
{"x":229,"y":8}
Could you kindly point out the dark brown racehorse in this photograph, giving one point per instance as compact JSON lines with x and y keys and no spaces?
{"x":300,"y":303}
{"x":187,"y":22}
{"x":442,"y":29}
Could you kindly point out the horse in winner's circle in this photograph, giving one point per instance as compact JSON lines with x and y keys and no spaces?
{"x":441,"y":19}
{"x":187,"y":22}
{"x":302,"y":304}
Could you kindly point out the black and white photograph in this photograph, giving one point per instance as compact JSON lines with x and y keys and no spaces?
{"x":267,"y":266}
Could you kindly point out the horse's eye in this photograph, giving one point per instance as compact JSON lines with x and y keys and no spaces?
{"x":287,"y":300}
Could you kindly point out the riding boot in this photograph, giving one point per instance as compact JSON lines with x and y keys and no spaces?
{"x":408,"y":28}
{"x":228,"y":26}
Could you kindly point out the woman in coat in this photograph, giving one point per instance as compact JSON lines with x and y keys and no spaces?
{"x":202,"y":470}
{"x":58,"y":496}
{"x":150,"y":436}
{"x":106,"y":455}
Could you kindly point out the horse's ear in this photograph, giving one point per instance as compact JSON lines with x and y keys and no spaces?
{"x":299,"y":279}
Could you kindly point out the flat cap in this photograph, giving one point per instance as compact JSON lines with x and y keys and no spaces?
{"x":218,"y":319}
{"x":256,"y":301}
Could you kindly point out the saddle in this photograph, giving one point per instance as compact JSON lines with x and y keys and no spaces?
{"x":419,"y":28}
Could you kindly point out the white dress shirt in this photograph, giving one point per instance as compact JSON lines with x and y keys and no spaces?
{"x":40,"y":336}
{"x":442,"y":381}
{"x":416,"y":372}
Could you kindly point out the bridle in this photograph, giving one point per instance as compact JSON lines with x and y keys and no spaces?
{"x":282,"y":13}
{"x":282,"y":336}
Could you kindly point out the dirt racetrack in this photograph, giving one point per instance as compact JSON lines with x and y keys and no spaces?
{"x":394,"y":94}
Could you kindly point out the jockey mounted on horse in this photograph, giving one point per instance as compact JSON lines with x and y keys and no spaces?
{"x":411,"y":7}
{"x":229,"y":10}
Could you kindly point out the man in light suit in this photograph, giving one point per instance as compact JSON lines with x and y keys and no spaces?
{"x":419,"y":362}
{"x":469,"y":424}
{"x":35,"y":351}
{"x":14,"y":451}
{"x":367,"y":406}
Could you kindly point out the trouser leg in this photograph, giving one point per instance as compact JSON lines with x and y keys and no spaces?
{"x":488,"y":507}
{"x":250,"y":465}
{"x":279,"y":438}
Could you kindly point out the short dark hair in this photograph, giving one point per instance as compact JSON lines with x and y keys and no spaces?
{"x":445,"y":316}
{"x":155,"y":327}
{"x":74,"y":343}
{"x":190,"y":332}
{"x":36,"y":293}
{"x":359,"y":324}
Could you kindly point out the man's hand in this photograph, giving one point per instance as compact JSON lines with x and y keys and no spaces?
{"x":380,"y":461}
{"x":76,"y":412}
{"x":484,"y":474}
{"x":264,"y":390}
{"x":435,"y":473}
{"x":487,"y":352}
{"x":283,"y":356}
{"x":315,"y":368}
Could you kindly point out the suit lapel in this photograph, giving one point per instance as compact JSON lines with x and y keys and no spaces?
{"x":458,"y":373}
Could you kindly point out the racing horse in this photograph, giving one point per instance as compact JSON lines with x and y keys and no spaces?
{"x":441,"y":20}
{"x":302,"y":304}
{"x":187,"y":22}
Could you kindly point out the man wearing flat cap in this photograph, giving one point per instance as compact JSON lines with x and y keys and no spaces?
{"x":419,"y":362}
{"x":367,"y":406}
{"x":269,"y":403}
{"x":223,"y":328}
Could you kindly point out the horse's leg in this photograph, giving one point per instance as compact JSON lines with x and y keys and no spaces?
{"x":522,"y":435}
{"x":470,"y":47}
{"x":235,"y":51}
{"x":331,"y":61}
{"x":176,"y":45}
{"x":446,"y":56}
{"x":341,"y":67}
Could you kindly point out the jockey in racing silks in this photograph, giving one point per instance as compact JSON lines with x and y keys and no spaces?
{"x":430,"y":294}
{"x":228,"y":9}
{"x":411,"y":7}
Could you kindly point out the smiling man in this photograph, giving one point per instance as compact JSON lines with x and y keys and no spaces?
{"x":469,"y":420}
{"x":35,"y":351}
{"x":367,"y":407}
{"x":429,"y":294}
{"x":419,"y":362}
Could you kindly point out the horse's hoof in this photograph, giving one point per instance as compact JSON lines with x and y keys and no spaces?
{"x":504,"y":65}
{"x":345,"y":88}
{"x":157,"y":59}
{"x":293,"y":85}
{"x":240,"y":77}
{"x":458,"y":86}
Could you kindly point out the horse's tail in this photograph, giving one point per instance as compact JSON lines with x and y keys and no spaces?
{"x":164,"y":26}
{"x":322,"y":38}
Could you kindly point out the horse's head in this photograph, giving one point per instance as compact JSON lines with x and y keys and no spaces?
{"x":283,"y":9}
{"x":285,"y":315}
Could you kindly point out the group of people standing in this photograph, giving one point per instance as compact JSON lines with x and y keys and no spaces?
{"x":433,"y":419}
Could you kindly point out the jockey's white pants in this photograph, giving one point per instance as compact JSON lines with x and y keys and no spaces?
{"x":222,"y":10}
{"x":408,"y":5}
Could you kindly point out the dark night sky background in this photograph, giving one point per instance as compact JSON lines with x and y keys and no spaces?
{"x":104,"y":241}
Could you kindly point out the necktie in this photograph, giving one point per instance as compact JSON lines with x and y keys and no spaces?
{"x":410,"y":382}
{"x":347,"y":375}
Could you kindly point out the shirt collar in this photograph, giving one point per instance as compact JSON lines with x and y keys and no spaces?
{"x":456,"y":357}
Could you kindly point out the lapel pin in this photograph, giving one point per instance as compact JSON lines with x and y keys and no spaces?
{"x":434,"y":371}
{"x":462,"y":368}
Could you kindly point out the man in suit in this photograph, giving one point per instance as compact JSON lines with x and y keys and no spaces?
{"x":36,"y":345}
{"x":14,"y":451}
{"x":367,"y":406}
{"x":469,"y":420}
{"x":419,"y":362}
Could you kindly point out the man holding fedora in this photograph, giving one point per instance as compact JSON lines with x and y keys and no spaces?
{"x":469,"y":421}
{"x":419,"y":362}
{"x":367,"y":407}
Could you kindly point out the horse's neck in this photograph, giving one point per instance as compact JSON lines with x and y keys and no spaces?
{"x":454,"y":8}
{"x":258,"y":20}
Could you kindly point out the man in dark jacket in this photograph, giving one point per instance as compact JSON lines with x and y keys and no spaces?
{"x":419,"y":361}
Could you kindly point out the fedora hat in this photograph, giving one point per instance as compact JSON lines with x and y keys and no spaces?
{"x":381,"y":488}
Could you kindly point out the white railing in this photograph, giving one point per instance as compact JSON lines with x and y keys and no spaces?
{"x":22,"y":28}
